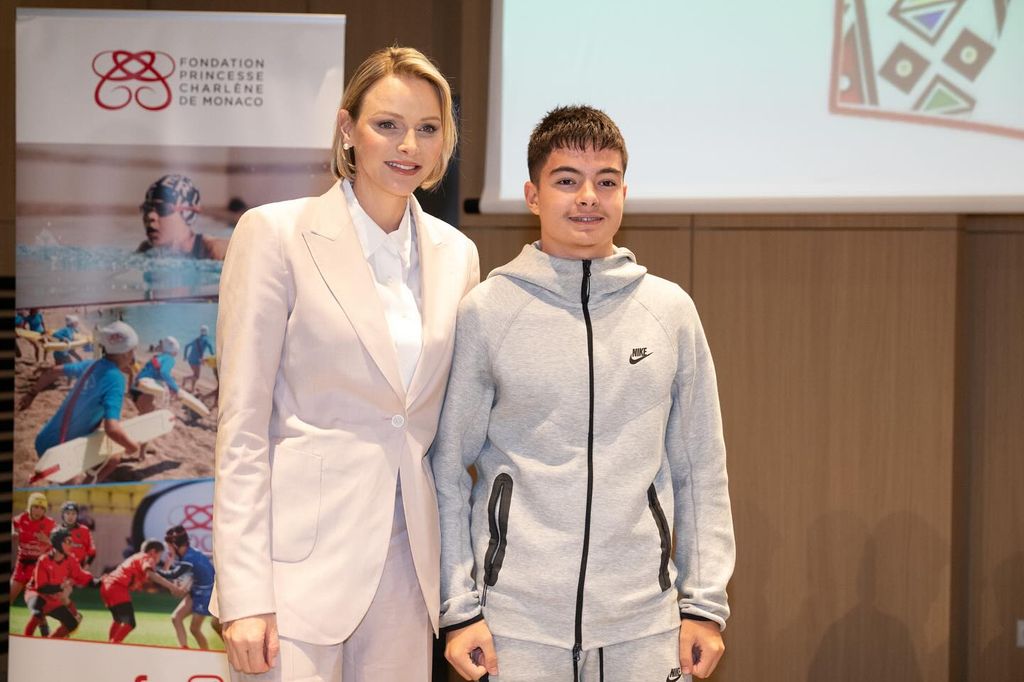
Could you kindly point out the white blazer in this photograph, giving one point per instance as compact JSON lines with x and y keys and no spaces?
{"x":315,"y":425}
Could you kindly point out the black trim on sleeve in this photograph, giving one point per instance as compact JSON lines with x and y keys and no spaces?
{"x":458,"y":626}
{"x":693,"y":616}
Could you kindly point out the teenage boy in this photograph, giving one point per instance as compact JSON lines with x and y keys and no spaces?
{"x":49,"y":593}
{"x":31,"y":528}
{"x":583,"y":393}
{"x":189,"y":561}
{"x":130,"y":576}
{"x":82,"y":548}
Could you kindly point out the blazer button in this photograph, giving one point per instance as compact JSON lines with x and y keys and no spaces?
{"x":398,"y":421}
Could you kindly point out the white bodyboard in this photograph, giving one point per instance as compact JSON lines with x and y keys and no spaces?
{"x":193,"y":403}
{"x":63,"y":462}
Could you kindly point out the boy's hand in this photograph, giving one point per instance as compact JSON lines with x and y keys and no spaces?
{"x":700,"y":647}
{"x":470,"y":650}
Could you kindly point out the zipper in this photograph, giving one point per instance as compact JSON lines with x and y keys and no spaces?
{"x":497,"y":518}
{"x":585,"y":300}
{"x":664,"y":535}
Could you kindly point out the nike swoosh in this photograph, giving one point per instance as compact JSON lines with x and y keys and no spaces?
{"x":633,"y":360}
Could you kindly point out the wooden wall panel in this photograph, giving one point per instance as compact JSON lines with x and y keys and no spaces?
{"x":994,"y":406}
{"x":834,"y":352}
{"x":499,"y":245}
{"x":665,"y":252}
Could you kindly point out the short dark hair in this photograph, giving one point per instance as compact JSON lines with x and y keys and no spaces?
{"x":579,"y":127}
{"x":150,"y":545}
{"x":176,"y":536}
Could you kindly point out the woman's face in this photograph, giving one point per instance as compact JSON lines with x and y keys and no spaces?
{"x":397,"y":138}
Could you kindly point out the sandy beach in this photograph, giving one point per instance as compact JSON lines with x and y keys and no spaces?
{"x":186,"y":452}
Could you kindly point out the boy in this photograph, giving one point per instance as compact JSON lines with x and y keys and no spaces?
{"x":96,"y":398}
{"x":194,"y":352}
{"x":49,"y":593}
{"x":190,"y":561}
{"x":82,"y":548}
{"x":117,"y":586}
{"x":158,"y":368}
{"x":583,"y":392}
{"x":31,"y":528}
{"x":69,"y":332}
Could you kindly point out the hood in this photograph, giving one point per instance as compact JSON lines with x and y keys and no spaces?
{"x":562,"y":277}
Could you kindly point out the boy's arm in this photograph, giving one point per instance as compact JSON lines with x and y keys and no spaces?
{"x":705,"y":547}
{"x":163,"y":582}
{"x":461,"y":434}
{"x":165,"y":374}
{"x":116,"y":433}
{"x":45,"y":380}
{"x":80,"y":576}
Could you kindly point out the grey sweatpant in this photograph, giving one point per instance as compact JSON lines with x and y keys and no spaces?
{"x":651,"y":659}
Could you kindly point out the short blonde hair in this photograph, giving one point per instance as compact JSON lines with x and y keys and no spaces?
{"x":395,"y":61}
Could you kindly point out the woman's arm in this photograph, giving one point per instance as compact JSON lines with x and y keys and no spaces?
{"x":253,"y":314}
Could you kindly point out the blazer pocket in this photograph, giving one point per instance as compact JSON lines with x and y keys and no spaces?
{"x":295,"y":503}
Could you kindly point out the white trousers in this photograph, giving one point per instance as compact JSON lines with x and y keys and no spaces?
{"x":394,"y":640}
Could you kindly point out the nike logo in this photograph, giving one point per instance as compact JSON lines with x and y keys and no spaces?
{"x":638,"y":354}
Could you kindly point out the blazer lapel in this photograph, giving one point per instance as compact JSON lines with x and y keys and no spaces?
{"x":335,"y":249}
{"x":435,"y":295}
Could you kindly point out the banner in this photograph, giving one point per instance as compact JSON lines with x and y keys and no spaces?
{"x":141,"y":138}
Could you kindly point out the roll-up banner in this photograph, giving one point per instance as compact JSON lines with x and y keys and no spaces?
{"x":141,"y":138}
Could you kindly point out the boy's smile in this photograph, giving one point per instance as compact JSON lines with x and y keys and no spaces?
{"x":579,"y":198}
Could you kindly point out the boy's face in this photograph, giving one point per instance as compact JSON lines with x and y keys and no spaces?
{"x":579,"y":197}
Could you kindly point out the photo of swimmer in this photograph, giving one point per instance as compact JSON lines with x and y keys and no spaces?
{"x":116,"y":393}
{"x":145,"y":222}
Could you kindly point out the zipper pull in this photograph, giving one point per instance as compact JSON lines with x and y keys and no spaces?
{"x":577,"y":648}
{"x":483,"y":596}
{"x":585,"y":291}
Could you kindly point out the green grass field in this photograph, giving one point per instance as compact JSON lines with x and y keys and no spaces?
{"x":152,"y":616}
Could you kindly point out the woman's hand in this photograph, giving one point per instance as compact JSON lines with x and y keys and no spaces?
{"x":252,"y":644}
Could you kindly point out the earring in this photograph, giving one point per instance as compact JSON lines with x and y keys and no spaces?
{"x":346,"y":146}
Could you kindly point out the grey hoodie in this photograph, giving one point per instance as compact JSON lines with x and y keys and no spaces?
{"x":564,"y":538}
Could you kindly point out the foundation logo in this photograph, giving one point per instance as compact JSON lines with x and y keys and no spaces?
{"x":139,"y":77}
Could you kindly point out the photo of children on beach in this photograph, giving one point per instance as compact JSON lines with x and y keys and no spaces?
{"x":115,"y":393}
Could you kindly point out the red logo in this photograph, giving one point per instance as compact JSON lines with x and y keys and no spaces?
{"x":133,"y":76}
{"x":197,"y":517}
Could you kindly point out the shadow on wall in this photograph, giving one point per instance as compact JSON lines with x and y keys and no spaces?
{"x":872,"y":639}
{"x":1001,"y":654}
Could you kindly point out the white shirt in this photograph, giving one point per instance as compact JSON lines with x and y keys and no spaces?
{"x":394,"y":262}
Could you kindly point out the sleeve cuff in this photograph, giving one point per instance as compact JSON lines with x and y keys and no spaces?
{"x":458,"y":626}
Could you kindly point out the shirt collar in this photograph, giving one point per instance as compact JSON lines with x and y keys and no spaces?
{"x":372,"y":237}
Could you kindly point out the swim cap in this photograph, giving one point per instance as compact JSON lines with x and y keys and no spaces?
{"x":175,"y":190}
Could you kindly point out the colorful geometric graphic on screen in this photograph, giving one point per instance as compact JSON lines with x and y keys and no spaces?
{"x":926,"y":18}
{"x":956,"y":63}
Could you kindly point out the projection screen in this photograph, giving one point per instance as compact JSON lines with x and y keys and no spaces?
{"x":844,"y":106}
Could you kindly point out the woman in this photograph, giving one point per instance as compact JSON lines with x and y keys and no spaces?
{"x":334,"y":341}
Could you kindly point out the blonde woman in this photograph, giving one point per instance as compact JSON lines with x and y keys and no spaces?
{"x":334,"y":342}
